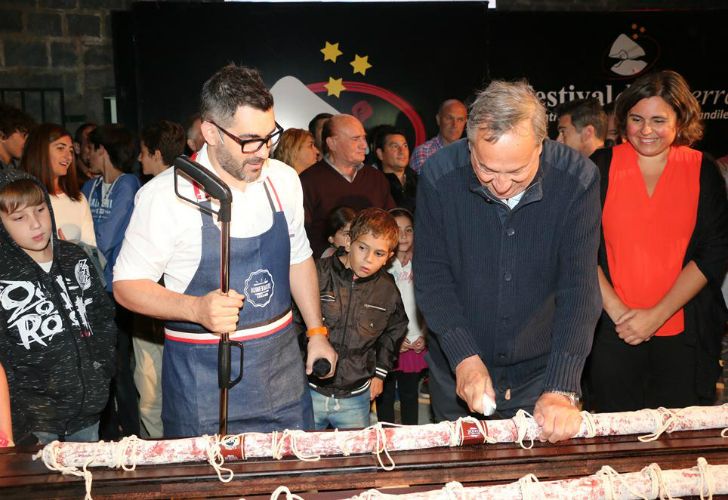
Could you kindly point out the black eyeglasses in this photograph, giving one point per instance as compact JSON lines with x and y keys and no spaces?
{"x":254,"y":145}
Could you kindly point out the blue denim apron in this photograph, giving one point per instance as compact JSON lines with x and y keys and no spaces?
{"x":273,"y":393}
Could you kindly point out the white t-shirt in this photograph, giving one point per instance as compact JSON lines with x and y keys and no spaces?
{"x":403,"y":278}
{"x":74,"y":218}
{"x":164,"y":233}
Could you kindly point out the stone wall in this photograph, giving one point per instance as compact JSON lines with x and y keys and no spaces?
{"x":63,"y":44}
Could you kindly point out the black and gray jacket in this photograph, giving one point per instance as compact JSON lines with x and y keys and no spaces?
{"x":366,"y":322}
{"x":57,"y":336}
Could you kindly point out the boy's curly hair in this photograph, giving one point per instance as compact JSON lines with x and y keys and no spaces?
{"x":378,"y":223}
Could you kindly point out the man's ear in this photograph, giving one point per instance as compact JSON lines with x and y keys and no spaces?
{"x":210,"y":133}
{"x":587,"y":133}
{"x":379,"y":153}
{"x":329,"y":142}
{"x":437,"y":119}
{"x":157,"y":156}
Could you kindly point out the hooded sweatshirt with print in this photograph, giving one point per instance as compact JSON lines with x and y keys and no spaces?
{"x":57,"y":335}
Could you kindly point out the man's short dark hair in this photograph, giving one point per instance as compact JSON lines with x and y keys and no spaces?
{"x":382,"y":133}
{"x":326,"y":131}
{"x":190,"y":122}
{"x":315,"y":119}
{"x":119,"y":142}
{"x":585,"y":112}
{"x":167,"y":137}
{"x":228,"y":89}
{"x":14,"y":120}
{"x":78,"y":136}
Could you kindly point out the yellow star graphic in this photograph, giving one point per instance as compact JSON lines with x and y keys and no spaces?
{"x":360,"y":64}
{"x":334,"y":87}
{"x":331,"y":51}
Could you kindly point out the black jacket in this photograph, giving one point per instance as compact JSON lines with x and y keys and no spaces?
{"x":404,"y":195}
{"x":705,"y":314}
{"x":57,"y":336}
{"x":366,"y":321}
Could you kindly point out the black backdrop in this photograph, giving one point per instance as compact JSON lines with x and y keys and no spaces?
{"x":420,"y":54}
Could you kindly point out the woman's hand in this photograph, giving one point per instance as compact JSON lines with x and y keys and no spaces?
{"x":406,"y":346}
{"x":639,"y":325}
{"x":419,"y":344}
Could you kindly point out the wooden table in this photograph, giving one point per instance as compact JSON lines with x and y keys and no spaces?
{"x":337,"y":477}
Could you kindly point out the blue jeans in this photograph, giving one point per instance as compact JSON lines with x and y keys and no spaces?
{"x":341,"y":413}
{"x":88,"y":435}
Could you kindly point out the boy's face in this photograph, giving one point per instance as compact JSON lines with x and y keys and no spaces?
{"x":367,"y":254}
{"x":13,"y":144}
{"x":149,"y":160}
{"x":30,"y":227}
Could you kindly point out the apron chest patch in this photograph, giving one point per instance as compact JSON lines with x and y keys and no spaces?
{"x":259,"y":288}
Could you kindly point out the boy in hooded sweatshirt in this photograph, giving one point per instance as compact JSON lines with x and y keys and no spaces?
{"x":56,"y":335}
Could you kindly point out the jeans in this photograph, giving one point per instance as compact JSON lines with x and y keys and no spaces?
{"x":341,"y":413}
{"x":88,"y":435}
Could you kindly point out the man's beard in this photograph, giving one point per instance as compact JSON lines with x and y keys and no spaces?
{"x":237,"y":168}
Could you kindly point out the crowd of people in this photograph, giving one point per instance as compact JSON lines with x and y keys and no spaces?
{"x":539,"y":264}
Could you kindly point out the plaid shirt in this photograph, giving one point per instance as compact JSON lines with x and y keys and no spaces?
{"x":424,"y":151}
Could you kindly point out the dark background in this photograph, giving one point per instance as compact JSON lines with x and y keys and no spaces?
{"x":424,"y":53}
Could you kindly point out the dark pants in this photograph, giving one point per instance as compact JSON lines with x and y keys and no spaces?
{"x":522,"y":394}
{"x":121,"y":416}
{"x":657,"y":373}
{"x":407,"y":384}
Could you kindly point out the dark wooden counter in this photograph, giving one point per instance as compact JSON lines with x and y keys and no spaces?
{"x":335,"y":477}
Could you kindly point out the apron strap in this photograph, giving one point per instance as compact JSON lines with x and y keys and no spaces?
{"x":273,"y":207}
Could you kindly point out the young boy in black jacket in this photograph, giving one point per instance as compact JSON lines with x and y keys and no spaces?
{"x":57,"y":336}
{"x":365,"y":318}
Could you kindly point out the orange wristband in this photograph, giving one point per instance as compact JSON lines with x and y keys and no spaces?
{"x":319,"y":330}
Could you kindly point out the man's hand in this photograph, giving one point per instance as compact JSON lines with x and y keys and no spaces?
{"x":319,"y":347}
{"x":218,"y":312}
{"x":558,"y":418}
{"x":473,"y":380}
{"x":638,"y":325}
{"x":376,"y":388}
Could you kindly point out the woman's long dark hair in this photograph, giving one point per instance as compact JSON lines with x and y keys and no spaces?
{"x":36,"y":160}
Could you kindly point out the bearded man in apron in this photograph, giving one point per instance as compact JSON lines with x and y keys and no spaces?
{"x":270,"y":261}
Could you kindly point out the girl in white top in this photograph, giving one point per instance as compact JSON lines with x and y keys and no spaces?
{"x":48,"y":156}
{"x":405,"y":378}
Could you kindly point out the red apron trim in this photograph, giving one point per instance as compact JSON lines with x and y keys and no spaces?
{"x":275,"y":193}
{"x":245,"y":334}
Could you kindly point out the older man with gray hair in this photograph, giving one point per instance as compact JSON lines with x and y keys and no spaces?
{"x":507,"y":231}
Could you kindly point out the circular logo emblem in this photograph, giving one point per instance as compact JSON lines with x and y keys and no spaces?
{"x":259,"y":288}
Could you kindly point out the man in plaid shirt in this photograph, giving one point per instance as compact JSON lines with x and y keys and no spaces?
{"x":451,"y":118}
